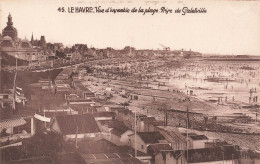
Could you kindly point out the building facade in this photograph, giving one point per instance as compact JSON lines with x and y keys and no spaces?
{"x":19,"y":48}
{"x":10,"y":30}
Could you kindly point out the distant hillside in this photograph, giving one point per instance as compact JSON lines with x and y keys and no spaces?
{"x":8,"y":60}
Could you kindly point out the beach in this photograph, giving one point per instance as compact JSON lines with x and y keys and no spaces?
{"x":162,"y":88}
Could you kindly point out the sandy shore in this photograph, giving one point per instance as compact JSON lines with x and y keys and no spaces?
{"x":157,"y":94}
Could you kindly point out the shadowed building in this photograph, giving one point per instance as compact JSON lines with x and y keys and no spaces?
{"x":39,"y":43}
{"x":144,"y":139}
{"x":10,"y":30}
{"x":71,"y":126}
{"x":19,"y":48}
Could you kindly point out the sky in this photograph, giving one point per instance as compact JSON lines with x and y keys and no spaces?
{"x":228,"y":27}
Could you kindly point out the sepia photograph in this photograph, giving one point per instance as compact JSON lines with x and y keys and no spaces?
{"x":129,"y":82}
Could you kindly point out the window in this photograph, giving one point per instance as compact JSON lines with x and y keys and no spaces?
{"x":142,"y":146}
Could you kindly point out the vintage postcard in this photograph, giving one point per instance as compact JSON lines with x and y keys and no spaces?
{"x":129,"y":82}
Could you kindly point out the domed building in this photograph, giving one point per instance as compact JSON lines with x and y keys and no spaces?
{"x":7,"y":42}
{"x":9,"y":30}
{"x":25,"y":43}
{"x":12,"y":45}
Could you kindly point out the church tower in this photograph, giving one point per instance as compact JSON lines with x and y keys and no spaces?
{"x":10,"y":22}
{"x":32,"y":40}
{"x":9,"y":30}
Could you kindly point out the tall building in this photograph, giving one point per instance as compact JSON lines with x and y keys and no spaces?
{"x":39,"y":43}
{"x":43,"y":42}
{"x":10,"y":30}
{"x":19,"y":48}
{"x":32,"y":40}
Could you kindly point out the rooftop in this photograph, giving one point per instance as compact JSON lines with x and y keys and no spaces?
{"x":171,"y":134}
{"x":69,"y":123}
{"x":111,"y":158}
{"x":151,"y":137}
{"x":158,"y":147}
{"x":206,"y":154}
{"x":217,"y":143}
{"x":147,"y":119}
{"x":80,"y":100}
{"x":212,"y":154}
{"x":113,"y":124}
{"x":118,"y":132}
{"x":11,"y":123}
{"x":199,"y":137}
{"x":104,"y":114}
{"x":101,"y":146}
